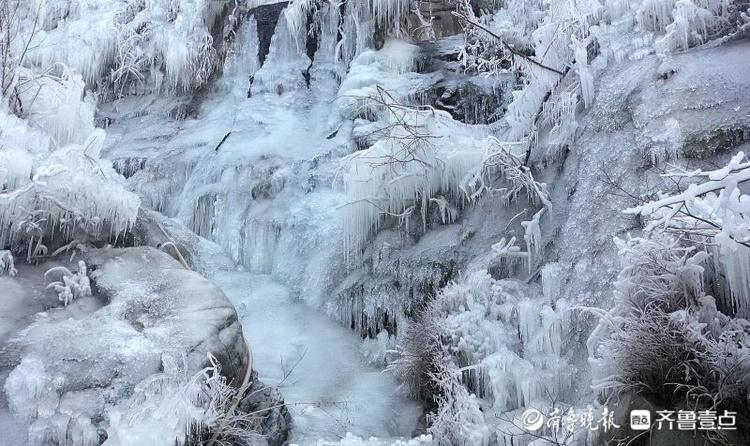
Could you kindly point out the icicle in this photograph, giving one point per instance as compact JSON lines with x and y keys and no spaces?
{"x":585,"y":77}
{"x":390,"y":13}
{"x":552,"y":276}
{"x":533,"y":235}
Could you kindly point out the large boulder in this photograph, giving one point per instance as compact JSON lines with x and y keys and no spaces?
{"x":154,"y":229}
{"x":147,"y":314}
{"x":170,"y":306}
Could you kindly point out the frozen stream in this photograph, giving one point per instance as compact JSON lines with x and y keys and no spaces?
{"x":330,"y":390}
{"x":252,"y":170}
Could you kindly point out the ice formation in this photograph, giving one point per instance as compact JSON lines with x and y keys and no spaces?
{"x":7,"y":265}
{"x":715,"y":209}
{"x":55,"y":181}
{"x":172,"y":408}
{"x":131,"y":46}
{"x":326,"y":158}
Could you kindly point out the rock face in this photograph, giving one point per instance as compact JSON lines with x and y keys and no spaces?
{"x":79,"y":361}
{"x":273,"y":420}
{"x":439,"y":15}
{"x":154,"y":229}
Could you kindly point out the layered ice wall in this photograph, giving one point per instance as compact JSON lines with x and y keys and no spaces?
{"x":254,"y":171}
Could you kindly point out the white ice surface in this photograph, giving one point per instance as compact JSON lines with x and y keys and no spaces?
{"x":331,"y":390}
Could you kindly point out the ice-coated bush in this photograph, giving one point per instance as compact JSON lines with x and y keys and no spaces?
{"x":70,"y":286}
{"x":127,"y":46}
{"x":53,"y":184}
{"x":485,"y":343}
{"x":666,"y":340}
{"x":175,"y":408}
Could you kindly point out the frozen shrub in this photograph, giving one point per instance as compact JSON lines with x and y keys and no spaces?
{"x":459,"y":420}
{"x":177,"y":409}
{"x":71,"y":285}
{"x":712,"y":211}
{"x":53,"y":184}
{"x":417,"y":356}
{"x":489,"y":339}
{"x":126,"y":46}
{"x":666,"y":340}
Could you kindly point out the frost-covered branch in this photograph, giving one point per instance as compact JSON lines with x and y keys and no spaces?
{"x":505,"y":163}
{"x":403,"y":126}
{"x":714,"y":208}
{"x":506,"y":45}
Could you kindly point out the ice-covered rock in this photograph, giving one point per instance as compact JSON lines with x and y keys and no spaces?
{"x":78,"y":363}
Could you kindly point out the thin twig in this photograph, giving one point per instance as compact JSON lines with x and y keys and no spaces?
{"x":507,"y":46}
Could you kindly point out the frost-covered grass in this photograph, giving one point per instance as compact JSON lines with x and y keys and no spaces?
{"x":173,"y":408}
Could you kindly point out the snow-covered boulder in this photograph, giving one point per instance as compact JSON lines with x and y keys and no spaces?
{"x":170,"y":306}
{"x":154,"y":229}
{"x":79,"y":362}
